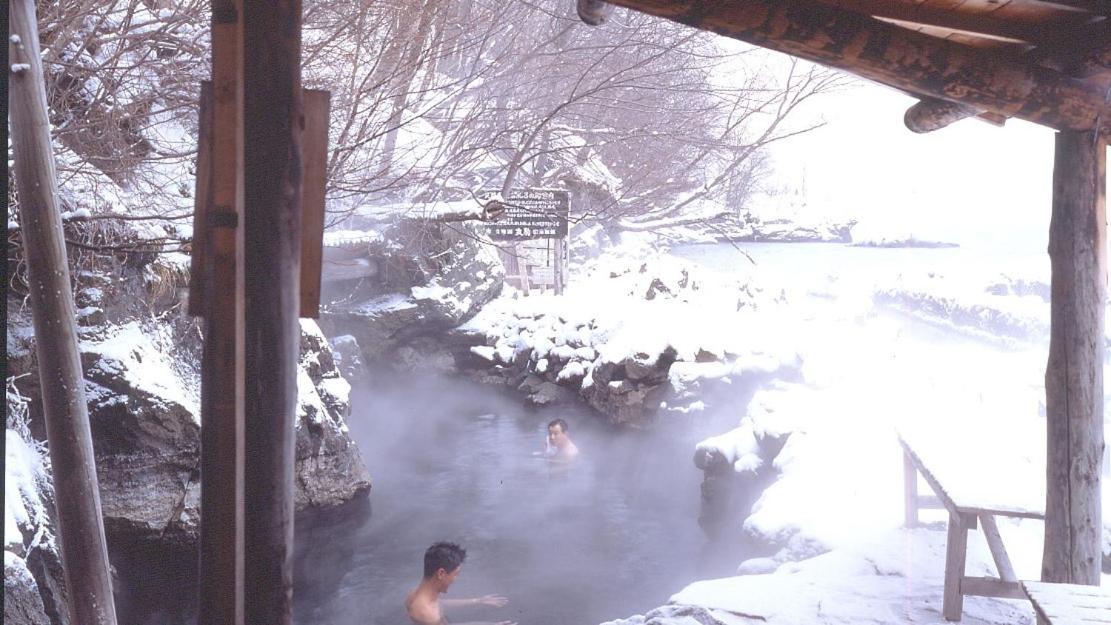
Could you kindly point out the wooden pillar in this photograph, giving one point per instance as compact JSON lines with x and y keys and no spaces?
{"x":76,"y":492}
{"x":1074,"y":374}
{"x":273,"y":122}
{"x":219,"y":188}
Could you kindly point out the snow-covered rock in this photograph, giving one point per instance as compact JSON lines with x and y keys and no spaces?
{"x":34,"y":584}
{"x":142,"y":388}
{"x":727,"y":227}
{"x":637,"y":333}
{"x":431,"y":286}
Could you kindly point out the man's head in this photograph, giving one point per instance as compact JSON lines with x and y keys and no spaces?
{"x":442,"y":562}
{"x":557,"y":433}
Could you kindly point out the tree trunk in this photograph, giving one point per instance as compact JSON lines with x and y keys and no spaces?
{"x":1074,"y":374}
{"x":76,"y":492}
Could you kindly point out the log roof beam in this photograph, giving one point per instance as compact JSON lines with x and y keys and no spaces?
{"x":898,"y":57}
{"x":927,"y":15}
{"x":932,"y":114}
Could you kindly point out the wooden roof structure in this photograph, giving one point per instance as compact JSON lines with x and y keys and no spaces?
{"x":1046,"y":61}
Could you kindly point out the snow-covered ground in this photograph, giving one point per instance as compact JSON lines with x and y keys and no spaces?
{"x":835,"y":513}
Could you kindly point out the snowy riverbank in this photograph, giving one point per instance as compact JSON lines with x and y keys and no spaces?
{"x":831,"y":522}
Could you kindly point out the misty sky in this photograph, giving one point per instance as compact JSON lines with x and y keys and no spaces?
{"x":971,"y":182}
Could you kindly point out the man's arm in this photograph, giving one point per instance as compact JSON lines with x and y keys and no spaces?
{"x":494,"y":600}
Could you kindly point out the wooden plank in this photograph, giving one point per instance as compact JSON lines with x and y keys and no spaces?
{"x":221,"y":584}
{"x":897,"y":57}
{"x":910,"y":491}
{"x":201,"y":198}
{"x":1074,"y":372}
{"x":61,"y":380}
{"x":964,"y":506}
{"x":998,"y":551}
{"x":272,"y":119}
{"x":956,"y":547}
{"x":942,"y":494}
{"x":945,"y":18}
{"x":990,"y":587}
{"x":1070,"y":604}
{"x":315,"y":156}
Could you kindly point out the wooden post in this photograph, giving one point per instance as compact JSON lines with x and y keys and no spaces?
{"x":956,"y":547}
{"x":273,"y":121}
{"x":910,"y":492}
{"x":1074,"y":374}
{"x":76,"y":493}
{"x":521,"y":262}
{"x":557,"y":266}
{"x":219,"y":178}
{"x":317,"y":105}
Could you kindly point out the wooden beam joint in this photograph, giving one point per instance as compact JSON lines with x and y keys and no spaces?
{"x":932,"y":114}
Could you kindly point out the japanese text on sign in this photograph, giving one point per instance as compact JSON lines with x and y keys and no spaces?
{"x":531,"y":214}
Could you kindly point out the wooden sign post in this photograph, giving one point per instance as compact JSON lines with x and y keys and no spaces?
{"x":531,"y":214}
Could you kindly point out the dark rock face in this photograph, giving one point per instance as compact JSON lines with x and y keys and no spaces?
{"x":142,"y":388}
{"x":22,"y":602}
{"x":436,"y":278}
{"x":626,"y":390}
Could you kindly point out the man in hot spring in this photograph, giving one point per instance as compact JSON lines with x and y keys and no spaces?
{"x":559,"y":446}
{"x":442,"y":563}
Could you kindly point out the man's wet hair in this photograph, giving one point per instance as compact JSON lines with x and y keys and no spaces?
{"x":561,"y":423}
{"x":443,"y":555}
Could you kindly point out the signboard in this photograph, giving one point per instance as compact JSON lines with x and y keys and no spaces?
{"x":531,"y":214}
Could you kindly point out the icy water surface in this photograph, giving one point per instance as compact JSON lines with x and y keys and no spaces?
{"x":452,"y":460}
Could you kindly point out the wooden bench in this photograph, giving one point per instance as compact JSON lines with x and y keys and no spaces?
{"x":1070,"y":604}
{"x":969,"y":506}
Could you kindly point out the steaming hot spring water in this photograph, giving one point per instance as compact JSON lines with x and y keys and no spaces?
{"x":615,"y":533}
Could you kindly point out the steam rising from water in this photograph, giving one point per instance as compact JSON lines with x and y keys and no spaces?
{"x":452,"y":460}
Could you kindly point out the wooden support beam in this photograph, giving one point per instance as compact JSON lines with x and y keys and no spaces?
{"x":988,"y":587}
{"x":956,"y":549}
{"x":897,"y":57}
{"x":932,"y":114}
{"x":1074,"y":373}
{"x":998,"y":550}
{"x":216,"y":293}
{"x":317,"y":106}
{"x":272,"y":190}
{"x":76,"y":494}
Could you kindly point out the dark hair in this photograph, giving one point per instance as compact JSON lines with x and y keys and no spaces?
{"x":442,"y":555}
{"x":561,"y":423}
